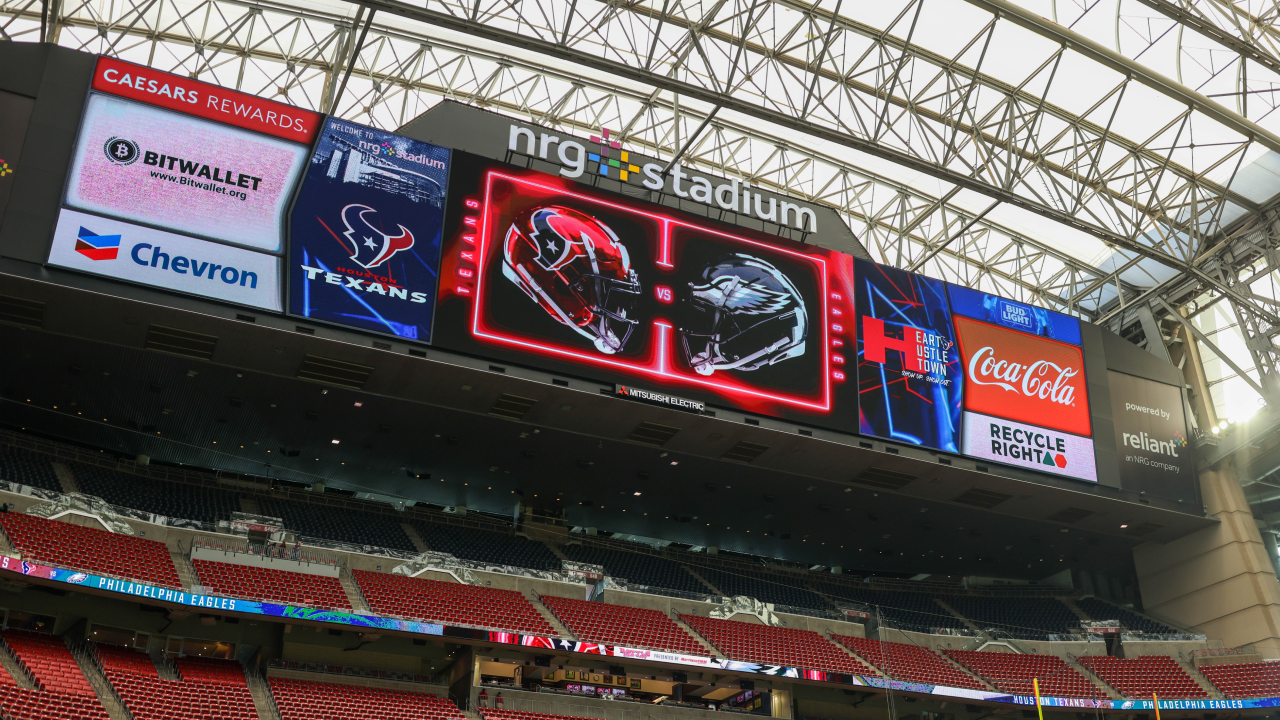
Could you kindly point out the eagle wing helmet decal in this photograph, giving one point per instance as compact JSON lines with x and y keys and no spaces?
{"x":370,"y":247}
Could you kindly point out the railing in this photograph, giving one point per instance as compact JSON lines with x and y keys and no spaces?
{"x":83,"y":652}
{"x":232,"y":545}
{"x":612,"y":583}
{"x":361,"y":672}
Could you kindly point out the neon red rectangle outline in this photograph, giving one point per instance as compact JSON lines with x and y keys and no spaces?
{"x":661,"y":371}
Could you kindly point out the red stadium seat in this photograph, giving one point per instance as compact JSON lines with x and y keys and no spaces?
{"x":1141,"y":676}
{"x":209,"y":688}
{"x":1014,"y":673}
{"x":1245,"y":680}
{"x":450,"y":603}
{"x":908,"y":662}
{"x":64,"y":693}
{"x":622,"y":625}
{"x":309,"y":700}
{"x":279,"y":586}
{"x":90,"y":550}
{"x":773,"y":645}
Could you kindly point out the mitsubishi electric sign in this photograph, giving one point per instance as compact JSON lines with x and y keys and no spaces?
{"x":124,"y":251}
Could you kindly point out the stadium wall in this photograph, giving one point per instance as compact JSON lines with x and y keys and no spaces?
{"x":1220,"y":580}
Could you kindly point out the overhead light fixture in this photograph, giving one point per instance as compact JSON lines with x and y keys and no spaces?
{"x":637,"y":494}
{"x":359,"y":404}
{"x":335,"y":441}
{"x":1123,"y":527}
{"x":1215,"y":430}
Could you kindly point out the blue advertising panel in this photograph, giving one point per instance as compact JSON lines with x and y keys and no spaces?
{"x":1014,"y":315}
{"x":364,"y":248}
{"x":910,"y":377}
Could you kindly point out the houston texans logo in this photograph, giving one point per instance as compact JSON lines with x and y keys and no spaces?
{"x":370,"y":246}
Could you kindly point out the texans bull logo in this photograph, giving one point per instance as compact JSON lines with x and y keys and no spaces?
{"x":370,"y":247}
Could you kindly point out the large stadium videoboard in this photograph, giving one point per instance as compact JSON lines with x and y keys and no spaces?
{"x":542,"y":270}
{"x":958,"y":370}
{"x":364,"y":246}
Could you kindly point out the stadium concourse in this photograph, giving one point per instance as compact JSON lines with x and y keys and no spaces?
{"x":572,"y":359}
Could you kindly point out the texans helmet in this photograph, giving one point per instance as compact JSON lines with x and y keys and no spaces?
{"x":577,"y":269}
{"x":743,"y":315}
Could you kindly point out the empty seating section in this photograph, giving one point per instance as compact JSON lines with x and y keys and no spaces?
{"x":20,"y":704}
{"x":639,"y":568}
{"x":211,"y":670}
{"x":1141,"y":676}
{"x":904,"y":610}
{"x":281,"y":586}
{"x":1029,"y":617}
{"x":204,"y":693}
{"x":769,"y":588}
{"x":621,"y":625}
{"x":1245,"y":680}
{"x":48,"y":661}
{"x":346,"y":525}
{"x":1014,"y":673}
{"x":908,"y":662}
{"x":309,"y":700}
{"x":89,"y":549}
{"x":1102,"y":610}
{"x":450,"y":603}
{"x":28,"y":468}
{"x":170,"y":499}
{"x":487,"y":546}
{"x":773,"y":645}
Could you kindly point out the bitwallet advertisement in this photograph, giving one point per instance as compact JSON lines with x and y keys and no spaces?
{"x":542,"y":270}
{"x":157,"y":167}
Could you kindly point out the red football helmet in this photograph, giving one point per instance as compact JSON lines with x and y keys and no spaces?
{"x":577,"y":269}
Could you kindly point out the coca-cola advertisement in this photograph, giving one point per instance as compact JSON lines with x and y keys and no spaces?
{"x":910,"y":379}
{"x":1024,"y":378}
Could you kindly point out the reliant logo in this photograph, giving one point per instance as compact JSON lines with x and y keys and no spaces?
{"x":734,"y":195}
{"x":1143,"y":441}
{"x":95,"y":246}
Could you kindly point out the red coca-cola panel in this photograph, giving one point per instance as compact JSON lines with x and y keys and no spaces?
{"x":212,"y":102}
{"x":1024,"y":378}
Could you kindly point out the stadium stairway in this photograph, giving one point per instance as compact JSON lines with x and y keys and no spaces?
{"x":66,"y":478}
{"x":1087,"y":674}
{"x":414,"y":537}
{"x":712,"y":588}
{"x":712,"y":650}
{"x":260,"y":691}
{"x":1200,"y":679}
{"x":952,"y":611}
{"x":871,"y":670}
{"x":354,"y":596}
{"x":16,"y":671}
{"x":98,"y":681}
{"x":1074,"y":608}
{"x":186,"y":571}
{"x":536,"y":601}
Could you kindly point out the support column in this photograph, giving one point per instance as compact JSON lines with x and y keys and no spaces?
{"x":1220,"y":580}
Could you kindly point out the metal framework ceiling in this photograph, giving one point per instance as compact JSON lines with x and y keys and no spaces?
{"x":1107,"y":158}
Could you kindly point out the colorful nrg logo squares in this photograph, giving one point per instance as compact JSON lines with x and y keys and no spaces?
{"x":624,"y":167}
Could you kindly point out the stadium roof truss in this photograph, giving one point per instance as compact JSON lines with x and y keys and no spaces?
{"x":1116,"y":159}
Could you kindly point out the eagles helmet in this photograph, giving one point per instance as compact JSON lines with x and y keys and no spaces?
{"x":576,"y":269}
{"x":743,"y":315}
